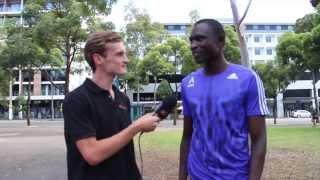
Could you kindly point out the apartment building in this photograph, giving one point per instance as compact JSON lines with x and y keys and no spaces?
{"x":46,"y":98}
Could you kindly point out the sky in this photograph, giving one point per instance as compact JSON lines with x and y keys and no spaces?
{"x":177,"y":11}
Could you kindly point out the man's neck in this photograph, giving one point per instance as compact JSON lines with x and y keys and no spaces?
{"x":216,"y":66}
{"x":103,"y":80}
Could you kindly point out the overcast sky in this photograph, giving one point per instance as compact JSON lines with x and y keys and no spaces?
{"x":177,"y":11}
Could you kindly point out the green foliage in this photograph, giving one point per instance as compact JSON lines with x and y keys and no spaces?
{"x":307,"y":23}
{"x":314,"y":3}
{"x":21,"y":104}
{"x":290,"y":53}
{"x":140,"y":34}
{"x":163,"y":89}
{"x":274,"y":77}
{"x":155,"y":64}
{"x":312,"y":49}
{"x":232,"y":49}
{"x":59,"y":25}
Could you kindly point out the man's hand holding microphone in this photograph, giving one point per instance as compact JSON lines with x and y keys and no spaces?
{"x":150,"y":121}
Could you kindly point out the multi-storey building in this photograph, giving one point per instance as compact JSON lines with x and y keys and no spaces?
{"x":46,"y":99}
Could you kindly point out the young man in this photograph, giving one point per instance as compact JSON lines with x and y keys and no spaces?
{"x":222,"y":104}
{"x":98,"y":130}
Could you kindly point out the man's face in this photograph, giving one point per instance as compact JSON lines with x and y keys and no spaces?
{"x":116,"y":60}
{"x":204,"y":45}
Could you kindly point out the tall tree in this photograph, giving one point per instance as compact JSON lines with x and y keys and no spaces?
{"x":154,"y":64}
{"x":140,"y":34}
{"x":238,"y":23}
{"x":301,"y":53}
{"x":312,"y":58}
{"x":275,"y":80}
{"x":22,"y":51}
{"x":60,"y":24}
{"x":164,"y":89}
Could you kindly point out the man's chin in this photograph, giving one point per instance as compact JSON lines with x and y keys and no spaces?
{"x":200,"y":60}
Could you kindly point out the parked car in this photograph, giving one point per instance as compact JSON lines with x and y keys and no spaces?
{"x":301,"y":114}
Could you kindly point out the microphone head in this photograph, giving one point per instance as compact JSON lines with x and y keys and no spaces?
{"x":166,"y":106}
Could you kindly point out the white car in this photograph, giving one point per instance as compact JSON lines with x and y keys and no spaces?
{"x":301,"y":114}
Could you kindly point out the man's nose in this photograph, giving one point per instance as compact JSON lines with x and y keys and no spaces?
{"x":193,"y":45}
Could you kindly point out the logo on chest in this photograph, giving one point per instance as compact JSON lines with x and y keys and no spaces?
{"x":122,"y":106}
{"x":191,"y":82}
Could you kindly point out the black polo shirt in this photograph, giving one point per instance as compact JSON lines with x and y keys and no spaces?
{"x":90,"y":111}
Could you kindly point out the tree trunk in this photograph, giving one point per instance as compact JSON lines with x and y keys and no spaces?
{"x":67,"y":74}
{"x":240,"y":32}
{"x":315,"y":96}
{"x":154,"y":91}
{"x":274,"y":108}
{"x":29,"y":97}
{"x":176,"y":92}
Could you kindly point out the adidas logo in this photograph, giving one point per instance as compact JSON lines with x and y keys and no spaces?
{"x":191,"y":82}
{"x":233,"y":76}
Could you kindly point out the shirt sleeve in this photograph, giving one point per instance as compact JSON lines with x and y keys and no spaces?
{"x":256,"y":103}
{"x":185,"y":106}
{"x":77,"y":118}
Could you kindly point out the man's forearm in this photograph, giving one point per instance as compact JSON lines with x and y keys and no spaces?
{"x":184,"y":151}
{"x":258,"y":153}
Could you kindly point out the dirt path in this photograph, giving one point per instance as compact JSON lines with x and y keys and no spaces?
{"x":281,"y":164}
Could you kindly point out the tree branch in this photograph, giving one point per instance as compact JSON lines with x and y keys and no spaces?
{"x":245,"y":13}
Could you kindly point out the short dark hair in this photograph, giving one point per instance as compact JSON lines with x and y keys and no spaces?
{"x":216,"y":27}
{"x":96,"y":43}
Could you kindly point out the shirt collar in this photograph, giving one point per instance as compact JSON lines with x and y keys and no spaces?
{"x":93,"y":87}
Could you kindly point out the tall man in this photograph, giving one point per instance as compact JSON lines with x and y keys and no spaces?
{"x":98,"y":130}
{"x":223,"y":103}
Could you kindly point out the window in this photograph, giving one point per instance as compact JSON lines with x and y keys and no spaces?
{"x":56,"y":75}
{"x":256,"y":39}
{"x":284,"y":27}
{"x":273,"y":27}
{"x":49,"y":89}
{"x":26,"y":76}
{"x":13,"y":7}
{"x":269,"y":51}
{"x":255,"y":27}
{"x":177,"y":27}
{"x":268,"y":39}
{"x":261,"y":27}
{"x":25,"y":89}
{"x":170,"y":27}
{"x":249,"y":27}
{"x":1,"y":7}
{"x":257,"y":51}
{"x":248,"y":38}
{"x":290,"y":28}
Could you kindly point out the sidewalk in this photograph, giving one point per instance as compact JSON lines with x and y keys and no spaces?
{"x":167,"y":123}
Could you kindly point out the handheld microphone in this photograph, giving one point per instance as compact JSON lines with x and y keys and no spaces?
{"x":166,"y":106}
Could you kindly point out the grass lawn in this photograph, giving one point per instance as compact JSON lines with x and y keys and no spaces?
{"x":301,"y":138}
{"x":288,"y":137}
{"x":293,"y":153}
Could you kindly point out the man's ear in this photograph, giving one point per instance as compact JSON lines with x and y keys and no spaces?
{"x":96,"y":58}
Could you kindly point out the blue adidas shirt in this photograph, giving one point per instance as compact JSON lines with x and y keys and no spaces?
{"x":219,"y":106}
